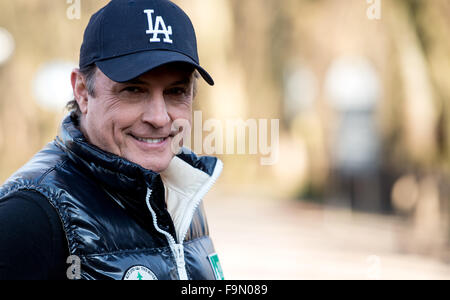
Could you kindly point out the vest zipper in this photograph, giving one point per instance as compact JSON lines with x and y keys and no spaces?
{"x":197,"y":200}
{"x":177,"y":249}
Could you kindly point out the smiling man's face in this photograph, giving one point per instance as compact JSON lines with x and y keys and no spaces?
{"x":134,"y":120}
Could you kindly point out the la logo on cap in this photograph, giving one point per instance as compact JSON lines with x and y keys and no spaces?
{"x":158,"y":28}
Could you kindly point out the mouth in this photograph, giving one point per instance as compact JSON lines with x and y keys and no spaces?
{"x":150,"y":142}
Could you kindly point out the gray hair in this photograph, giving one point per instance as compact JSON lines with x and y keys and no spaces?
{"x":89,"y":74}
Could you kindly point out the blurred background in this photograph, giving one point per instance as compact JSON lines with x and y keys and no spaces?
{"x":361,"y":89}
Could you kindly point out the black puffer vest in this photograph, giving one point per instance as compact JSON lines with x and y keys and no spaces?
{"x":115,"y":215}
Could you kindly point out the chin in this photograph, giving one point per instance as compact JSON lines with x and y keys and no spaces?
{"x":156,"y":162}
{"x":158,"y":166}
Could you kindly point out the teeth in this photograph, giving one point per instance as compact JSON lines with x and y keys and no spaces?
{"x":151,"y":141}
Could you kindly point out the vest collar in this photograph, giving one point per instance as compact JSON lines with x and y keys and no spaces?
{"x":111,"y":169}
{"x":185,"y":187}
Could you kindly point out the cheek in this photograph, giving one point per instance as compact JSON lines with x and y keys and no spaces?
{"x":181,"y":112}
{"x":108,"y":118}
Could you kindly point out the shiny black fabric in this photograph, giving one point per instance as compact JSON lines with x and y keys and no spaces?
{"x":100,"y":199}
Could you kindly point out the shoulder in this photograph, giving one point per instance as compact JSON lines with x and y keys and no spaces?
{"x":43,"y":163}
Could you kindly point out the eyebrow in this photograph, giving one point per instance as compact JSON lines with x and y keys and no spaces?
{"x":184,"y":81}
{"x":134,"y":81}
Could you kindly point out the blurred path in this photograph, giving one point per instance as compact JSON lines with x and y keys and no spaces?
{"x":266,"y":239}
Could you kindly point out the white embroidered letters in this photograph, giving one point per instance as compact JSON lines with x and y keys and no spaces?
{"x":159,"y":27}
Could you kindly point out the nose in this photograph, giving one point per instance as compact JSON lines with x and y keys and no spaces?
{"x":155,"y":111}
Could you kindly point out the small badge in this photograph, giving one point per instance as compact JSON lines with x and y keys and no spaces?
{"x":139,"y":273}
{"x":217,"y":268}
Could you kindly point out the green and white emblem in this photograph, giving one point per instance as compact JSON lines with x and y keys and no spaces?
{"x":217,"y":268}
{"x":139,"y":273}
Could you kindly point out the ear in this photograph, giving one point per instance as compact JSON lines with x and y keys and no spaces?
{"x":80,"y":90}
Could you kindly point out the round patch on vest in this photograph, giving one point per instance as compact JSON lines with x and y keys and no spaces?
{"x":139,"y":273}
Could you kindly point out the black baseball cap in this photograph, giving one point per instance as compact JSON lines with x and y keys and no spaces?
{"x":128,"y":38}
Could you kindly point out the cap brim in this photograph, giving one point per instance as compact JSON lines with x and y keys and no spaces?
{"x":125,"y":68}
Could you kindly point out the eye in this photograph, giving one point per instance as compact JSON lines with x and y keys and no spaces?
{"x":177,"y":91}
{"x":133,"y":90}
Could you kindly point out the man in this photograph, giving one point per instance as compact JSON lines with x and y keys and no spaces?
{"x":109,"y":198}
